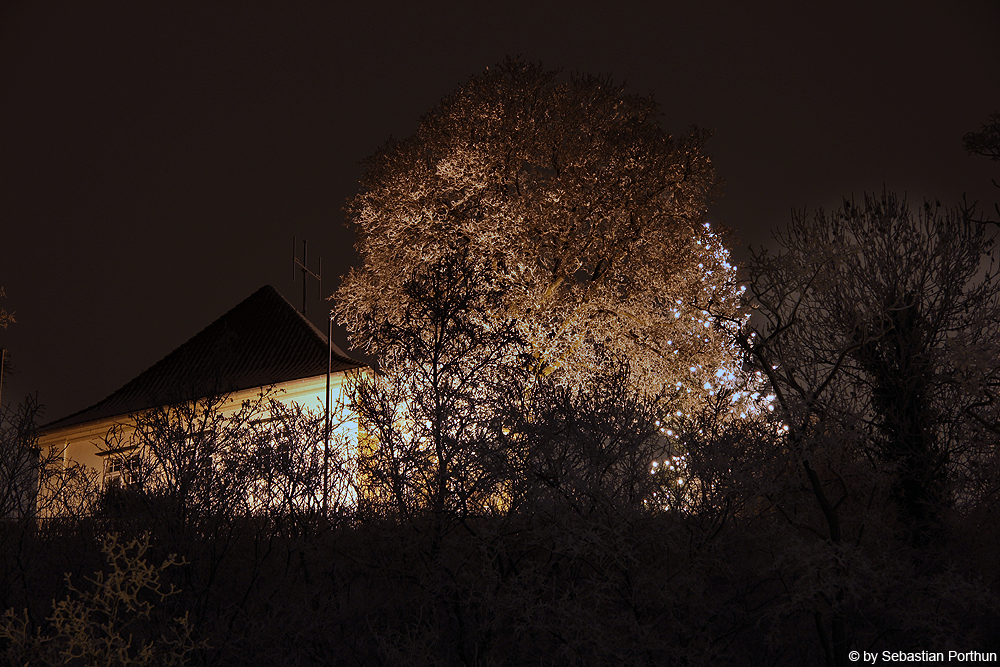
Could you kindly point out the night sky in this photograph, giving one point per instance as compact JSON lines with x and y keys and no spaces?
{"x":155,"y":163}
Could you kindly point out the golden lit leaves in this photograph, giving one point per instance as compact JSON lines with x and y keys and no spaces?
{"x":585,"y":210}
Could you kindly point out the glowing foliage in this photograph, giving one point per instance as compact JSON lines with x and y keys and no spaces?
{"x":588,"y":213}
{"x":112,"y":624}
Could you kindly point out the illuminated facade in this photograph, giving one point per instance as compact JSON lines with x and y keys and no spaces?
{"x":262,"y":344}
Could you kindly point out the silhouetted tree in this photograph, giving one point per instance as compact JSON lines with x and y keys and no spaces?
{"x":206,"y":459}
{"x":882,"y":323}
{"x":875,"y":329}
{"x":433,"y":418}
{"x":35,"y":483}
{"x":591,"y":448}
{"x":986,"y":142}
{"x":5,"y":317}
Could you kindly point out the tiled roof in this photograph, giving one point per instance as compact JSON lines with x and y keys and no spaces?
{"x":262,"y":341}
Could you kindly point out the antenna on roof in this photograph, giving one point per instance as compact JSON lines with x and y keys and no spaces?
{"x":306,"y":273}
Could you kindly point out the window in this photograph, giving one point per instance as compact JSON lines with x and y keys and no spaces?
{"x":120,"y":468}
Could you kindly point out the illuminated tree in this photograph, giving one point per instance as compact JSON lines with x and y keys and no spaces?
{"x":587,"y":211}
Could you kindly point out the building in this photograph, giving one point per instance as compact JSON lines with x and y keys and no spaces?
{"x":263,"y":343}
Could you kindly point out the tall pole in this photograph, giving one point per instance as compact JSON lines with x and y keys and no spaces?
{"x":326,"y":437}
{"x":305,"y":263}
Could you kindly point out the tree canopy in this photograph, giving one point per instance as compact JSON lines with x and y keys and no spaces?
{"x":590,"y":214}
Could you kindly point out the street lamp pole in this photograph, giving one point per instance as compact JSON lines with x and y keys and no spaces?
{"x":326,"y":430}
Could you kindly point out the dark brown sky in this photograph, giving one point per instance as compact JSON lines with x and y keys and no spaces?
{"x":155,"y":163}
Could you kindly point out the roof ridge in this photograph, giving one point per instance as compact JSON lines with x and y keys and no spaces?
{"x":338,"y":354}
{"x":261,"y":341}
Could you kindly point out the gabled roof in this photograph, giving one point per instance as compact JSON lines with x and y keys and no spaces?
{"x":262,"y":341}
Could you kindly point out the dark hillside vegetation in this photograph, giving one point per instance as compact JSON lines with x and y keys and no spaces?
{"x":578,"y":448}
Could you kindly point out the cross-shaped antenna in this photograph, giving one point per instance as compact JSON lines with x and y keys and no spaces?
{"x":306,"y":273}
